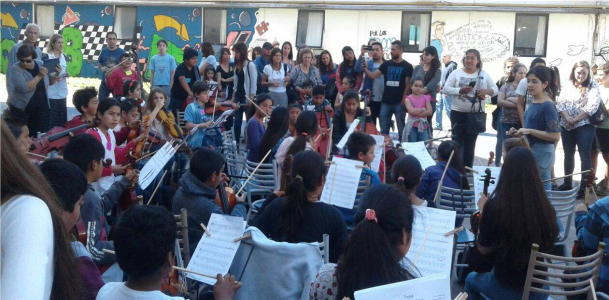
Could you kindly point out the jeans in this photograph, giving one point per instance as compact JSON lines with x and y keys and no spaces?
{"x":544,"y":155}
{"x":237,"y":124}
{"x":387,"y":110}
{"x":486,"y":283}
{"x":444,"y":102}
{"x":501,"y":137}
{"x":467,"y":142}
{"x":582,"y":137}
{"x":375,"y":110}
{"x":104,"y":92}
{"x":416,"y":136}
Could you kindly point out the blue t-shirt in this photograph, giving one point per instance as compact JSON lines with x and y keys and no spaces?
{"x":203,"y":137}
{"x":109,"y":58}
{"x":162,"y":65}
{"x":541,"y":116}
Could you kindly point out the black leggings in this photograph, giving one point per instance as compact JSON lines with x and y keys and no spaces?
{"x":467,"y":142}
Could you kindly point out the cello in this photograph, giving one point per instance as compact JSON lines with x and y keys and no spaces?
{"x":363,"y":124}
{"x":225,"y":198}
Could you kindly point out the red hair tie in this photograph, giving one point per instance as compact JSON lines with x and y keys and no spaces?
{"x":400,"y":179}
{"x":371,"y":215}
{"x":304,"y":133}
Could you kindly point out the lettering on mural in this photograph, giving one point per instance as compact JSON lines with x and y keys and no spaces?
{"x":478,"y":35}
{"x":381,"y":37}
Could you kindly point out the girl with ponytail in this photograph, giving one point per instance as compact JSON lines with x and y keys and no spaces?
{"x":299,"y":216}
{"x":375,"y":250}
{"x":306,"y":127}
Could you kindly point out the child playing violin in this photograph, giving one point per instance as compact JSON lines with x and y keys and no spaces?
{"x":295,"y":110}
{"x":348,"y":84}
{"x":20,"y":132}
{"x":319,"y":100}
{"x":195,"y":116}
{"x":86,"y":102}
{"x":130,"y":119}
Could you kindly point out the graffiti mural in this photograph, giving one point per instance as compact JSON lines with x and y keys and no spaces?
{"x":241,"y":25}
{"x":14,"y":16}
{"x":437,"y":38}
{"x":381,"y":37}
{"x":477,"y":35}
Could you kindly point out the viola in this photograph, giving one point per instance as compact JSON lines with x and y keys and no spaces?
{"x":363,"y":125}
{"x":226,"y":198}
{"x":54,"y":140}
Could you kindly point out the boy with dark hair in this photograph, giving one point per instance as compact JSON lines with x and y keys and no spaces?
{"x":360,"y":146}
{"x":20,"y":132}
{"x":307,"y":87}
{"x":115,"y":80}
{"x":195,"y":116}
{"x":319,"y":100}
{"x":197,"y":191}
{"x":145,"y":244}
{"x":88,"y":154}
{"x":70,"y":184}
{"x":85,"y":101}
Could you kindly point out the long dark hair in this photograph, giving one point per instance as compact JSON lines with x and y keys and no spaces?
{"x":291,"y":54}
{"x":526,"y":215}
{"x":207,"y":49}
{"x":444,"y":151}
{"x":407,"y":173}
{"x":546,"y":74}
{"x":323,"y":69}
{"x":434,"y":66}
{"x":307,"y":174}
{"x":278,"y":126}
{"x":371,"y":257}
{"x":258,"y":100}
{"x":342,"y":69}
{"x":306,"y":127}
{"x":242,"y":49}
{"x":20,"y":177}
{"x":582,"y":64}
{"x":350,"y":94}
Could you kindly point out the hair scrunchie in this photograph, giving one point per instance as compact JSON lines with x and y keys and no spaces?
{"x":371,"y":215}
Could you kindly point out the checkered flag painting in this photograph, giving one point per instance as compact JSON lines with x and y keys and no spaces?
{"x":93,"y":39}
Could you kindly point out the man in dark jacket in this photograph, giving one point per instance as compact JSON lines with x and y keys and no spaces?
{"x":197,"y":192}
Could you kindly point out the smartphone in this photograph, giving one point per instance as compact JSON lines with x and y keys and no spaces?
{"x":472,"y":83}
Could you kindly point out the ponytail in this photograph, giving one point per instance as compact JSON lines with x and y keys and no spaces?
{"x":306,"y":127}
{"x":372,"y":256}
{"x":546,"y":74}
{"x":407,"y":173}
{"x":308,"y":171}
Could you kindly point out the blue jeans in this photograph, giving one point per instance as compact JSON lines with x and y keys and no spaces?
{"x":486,"y":283}
{"x":583,"y":137}
{"x":544,"y":155}
{"x":416,"y":136}
{"x":388,"y":110}
{"x":237,"y":124}
{"x":444,"y":102}
{"x":104,"y":92}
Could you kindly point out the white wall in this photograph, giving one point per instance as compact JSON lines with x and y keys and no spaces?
{"x":281,"y":26}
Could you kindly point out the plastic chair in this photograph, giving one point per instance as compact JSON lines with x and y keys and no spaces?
{"x":182,"y":234}
{"x":324,"y":248}
{"x":262,"y":182}
{"x":580,"y":274}
{"x":564,"y":206}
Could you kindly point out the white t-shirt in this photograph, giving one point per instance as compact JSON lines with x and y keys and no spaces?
{"x":275,"y":76}
{"x":458,"y":79}
{"x":118,"y":291}
{"x":27,"y":249}
{"x":210,"y":60}
{"x":521,"y":90}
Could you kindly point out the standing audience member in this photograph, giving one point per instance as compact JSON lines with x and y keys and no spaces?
{"x":32,"y":32}
{"x":225,"y":73}
{"x":304,"y":71}
{"x":208,"y":58}
{"x":327,"y":67}
{"x":507,"y":102}
{"x":276,"y":77}
{"x":524,"y":99}
{"x":262,"y":61}
{"x":419,"y":108}
{"x":108,"y":58}
{"x":162,"y":68}
{"x":58,"y":92}
{"x":508,"y":65}
{"x":577,"y":102}
{"x":346,"y":68}
{"x":287,"y":52}
{"x":375,"y":86}
{"x":185,"y":76}
{"x":117,"y":78}
{"x":444,"y":101}
{"x":244,"y":86}
{"x":602,"y":131}
{"x":431,"y":73}
{"x":41,"y":266}
{"x":471,"y":84}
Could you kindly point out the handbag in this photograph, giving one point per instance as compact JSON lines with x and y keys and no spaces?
{"x":475,"y":121}
{"x":600,"y":116}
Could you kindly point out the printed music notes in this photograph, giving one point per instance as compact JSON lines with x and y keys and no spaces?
{"x":342,"y":182}
{"x":479,"y":179}
{"x":343,"y":141}
{"x":419,"y":151}
{"x":431,"y":251}
{"x":215,"y":253}
{"x":378,"y":152}
{"x":154,"y":166}
{"x":432,"y":287}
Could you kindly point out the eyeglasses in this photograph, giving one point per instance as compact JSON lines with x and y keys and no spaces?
{"x":27,"y":61}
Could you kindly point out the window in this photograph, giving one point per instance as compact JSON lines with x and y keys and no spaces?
{"x":214,"y":26}
{"x":125,"y":22}
{"x":415,"y":31}
{"x":45,"y":18}
{"x":531,"y":33}
{"x":310,"y":30}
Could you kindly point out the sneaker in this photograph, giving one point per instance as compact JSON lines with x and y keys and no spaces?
{"x":564,"y":187}
{"x":581,"y":193}
{"x":554,"y":186}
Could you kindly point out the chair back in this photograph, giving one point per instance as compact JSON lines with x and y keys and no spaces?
{"x":324,"y":248}
{"x":182,"y":234}
{"x":580,"y":275}
{"x":461,"y":201}
{"x":263,"y":178}
{"x":564,"y":206}
{"x":364,"y":184}
{"x":181,"y":122}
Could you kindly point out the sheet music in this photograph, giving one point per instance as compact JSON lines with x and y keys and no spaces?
{"x":479,"y":180}
{"x":213,"y":85}
{"x":343,"y":141}
{"x":215,"y":253}
{"x":155,"y":165}
{"x":342,"y":182}
{"x":433,"y":287}
{"x":378,"y":152}
{"x":419,"y":151}
{"x":431,"y":251}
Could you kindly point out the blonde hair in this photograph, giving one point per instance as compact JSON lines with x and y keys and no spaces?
{"x":52,"y":40}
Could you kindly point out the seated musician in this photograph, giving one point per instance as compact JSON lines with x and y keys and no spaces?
{"x":108,"y":114}
{"x":384,"y":231}
{"x":300,"y":216}
{"x":131,"y":89}
{"x":306,"y":128}
{"x":195,"y":116}
{"x":130,"y":119}
{"x":407,"y":173}
{"x":319,"y":100}
{"x":347,"y":83}
{"x":295,"y":110}
{"x":347,"y":112}
{"x":20,"y":132}
{"x":88,"y":154}
{"x":307,"y":94}
{"x":86,"y":102}
{"x":157,"y":97}
{"x":275,"y":134}
{"x":70,"y":184}
{"x":198,"y":189}
{"x":455,"y":175}
{"x":255,"y":125}
{"x":517,"y":214}
{"x":361,"y":147}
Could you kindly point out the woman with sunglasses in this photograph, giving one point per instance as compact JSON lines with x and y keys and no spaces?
{"x":27,"y":84}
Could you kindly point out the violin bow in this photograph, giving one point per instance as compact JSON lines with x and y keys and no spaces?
{"x":253,"y":172}
{"x":435,"y":198}
{"x":256,"y":105}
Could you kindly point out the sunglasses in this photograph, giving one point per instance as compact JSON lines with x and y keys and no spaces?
{"x":27,"y":61}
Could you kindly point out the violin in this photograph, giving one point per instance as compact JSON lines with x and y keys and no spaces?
{"x":80,"y":232}
{"x":363,"y":125}
{"x":488,"y":179}
{"x":55,"y":139}
{"x":168,"y":121}
{"x":589,"y":185}
{"x":324,"y":119}
{"x":226,"y":198}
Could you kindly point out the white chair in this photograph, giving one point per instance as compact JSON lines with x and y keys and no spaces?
{"x":261,"y":184}
{"x":564,"y":206}
{"x":324,"y":248}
